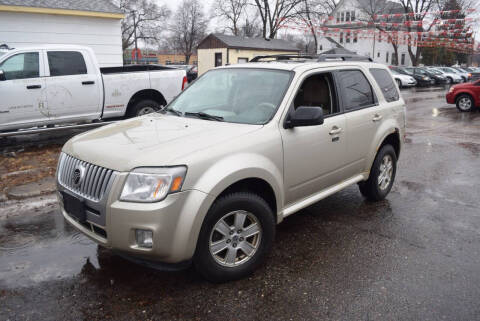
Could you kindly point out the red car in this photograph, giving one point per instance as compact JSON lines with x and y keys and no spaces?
{"x":466,"y":96}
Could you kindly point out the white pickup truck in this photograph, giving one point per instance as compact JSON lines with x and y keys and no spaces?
{"x":64,"y":84}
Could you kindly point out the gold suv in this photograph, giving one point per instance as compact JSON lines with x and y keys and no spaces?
{"x":207,"y":178}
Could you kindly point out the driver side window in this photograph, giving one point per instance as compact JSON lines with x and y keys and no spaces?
{"x":21,"y":66}
{"x":317,"y":90}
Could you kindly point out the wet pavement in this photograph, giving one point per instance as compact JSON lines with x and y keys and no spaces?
{"x":413,"y":256}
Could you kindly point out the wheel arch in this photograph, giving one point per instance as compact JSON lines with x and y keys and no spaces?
{"x":144,"y":94}
{"x":391,"y":134}
{"x":468,"y":93}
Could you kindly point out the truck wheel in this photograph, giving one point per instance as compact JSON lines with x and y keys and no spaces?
{"x":235,"y":237}
{"x":144,"y":107}
{"x":382,"y":175}
{"x":465,"y":103}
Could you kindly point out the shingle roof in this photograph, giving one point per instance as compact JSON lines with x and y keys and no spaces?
{"x":82,"y":5}
{"x":255,"y":43}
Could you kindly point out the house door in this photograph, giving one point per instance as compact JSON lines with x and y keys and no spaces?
{"x":218,"y":59}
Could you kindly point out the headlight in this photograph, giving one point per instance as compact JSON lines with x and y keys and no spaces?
{"x":425,"y":78}
{"x":152,"y":184}
{"x":451,"y":89}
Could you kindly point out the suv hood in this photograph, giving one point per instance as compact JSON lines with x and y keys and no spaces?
{"x":152,"y":140}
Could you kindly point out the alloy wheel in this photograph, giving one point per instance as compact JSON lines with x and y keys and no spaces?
{"x":386,"y":172}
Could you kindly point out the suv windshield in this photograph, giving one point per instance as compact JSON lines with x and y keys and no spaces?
{"x":237,"y":95}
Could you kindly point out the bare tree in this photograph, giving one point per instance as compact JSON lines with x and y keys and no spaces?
{"x":188,"y":27}
{"x":273,"y":13}
{"x":143,"y":21}
{"x":251,"y":28}
{"x":231,"y":12}
{"x":311,"y":12}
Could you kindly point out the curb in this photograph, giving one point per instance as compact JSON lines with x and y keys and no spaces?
{"x":42,"y":187}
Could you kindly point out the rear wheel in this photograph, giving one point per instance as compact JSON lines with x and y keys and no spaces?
{"x":449,"y":80}
{"x":235,"y":237}
{"x":399,"y":83}
{"x":382,"y":175}
{"x":465,"y":103}
{"x":144,"y":107}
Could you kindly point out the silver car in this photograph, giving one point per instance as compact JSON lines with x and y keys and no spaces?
{"x":207,"y":179}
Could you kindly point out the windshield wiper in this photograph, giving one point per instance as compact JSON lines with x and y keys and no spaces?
{"x":173,"y":111}
{"x":204,"y":116}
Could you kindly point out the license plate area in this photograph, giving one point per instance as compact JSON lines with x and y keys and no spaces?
{"x":74,"y":207}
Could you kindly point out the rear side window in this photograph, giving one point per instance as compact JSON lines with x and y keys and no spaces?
{"x":357,"y":92}
{"x":385,"y":82}
{"x":64,"y":63}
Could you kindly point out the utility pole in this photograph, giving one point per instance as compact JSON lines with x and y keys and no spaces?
{"x":135,"y":37}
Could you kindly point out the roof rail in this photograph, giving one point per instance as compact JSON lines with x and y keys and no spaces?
{"x":283,"y":57}
{"x":327,"y":57}
{"x":320,"y":57}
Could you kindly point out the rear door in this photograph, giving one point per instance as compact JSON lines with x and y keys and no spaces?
{"x":22,"y":94}
{"x":363,"y":116}
{"x":74,"y":87}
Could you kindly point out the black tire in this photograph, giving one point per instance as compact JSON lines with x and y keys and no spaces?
{"x":449,"y":80}
{"x":399,"y":83}
{"x":370,"y":188}
{"x":204,"y":260}
{"x":465,"y":103}
{"x":142,"y":105}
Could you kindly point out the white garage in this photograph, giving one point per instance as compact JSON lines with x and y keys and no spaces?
{"x":93,"y":23}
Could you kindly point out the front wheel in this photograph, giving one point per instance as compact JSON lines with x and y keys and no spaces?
{"x":465,"y":103}
{"x":235,"y":237}
{"x":382,"y":175}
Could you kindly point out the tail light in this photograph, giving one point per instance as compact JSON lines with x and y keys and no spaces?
{"x":184,"y":82}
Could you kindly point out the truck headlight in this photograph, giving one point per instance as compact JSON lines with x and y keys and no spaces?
{"x":152,"y":184}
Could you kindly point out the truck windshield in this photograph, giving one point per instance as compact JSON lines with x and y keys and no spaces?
{"x":237,"y":95}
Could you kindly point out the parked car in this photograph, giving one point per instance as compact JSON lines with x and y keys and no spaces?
{"x":466,"y":75}
{"x":475,"y":73}
{"x":245,"y":146}
{"x":403,"y":80}
{"x":58,"y":84}
{"x":192,"y":71}
{"x":422,"y":80}
{"x":437,"y":78}
{"x":466,"y":96}
{"x":452,"y":76}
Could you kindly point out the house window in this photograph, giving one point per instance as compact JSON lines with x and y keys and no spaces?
{"x":343,"y":16}
{"x":355,"y":37}
{"x":352,"y":16}
{"x":403,"y":59}
{"x":338,"y":16}
{"x":379,"y":37}
{"x":347,"y":16}
{"x":378,"y":54}
{"x":386,"y":56}
{"x":321,"y":47}
{"x":218,"y":59}
{"x":347,"y":37}
{"x":242,"y":60}
{"x":341,"y":37}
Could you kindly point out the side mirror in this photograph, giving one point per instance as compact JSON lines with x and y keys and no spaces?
{"x":2,"y":75}
{"x":305,"y":116}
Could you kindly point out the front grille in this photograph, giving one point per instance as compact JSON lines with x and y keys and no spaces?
{"x":94,"y":180}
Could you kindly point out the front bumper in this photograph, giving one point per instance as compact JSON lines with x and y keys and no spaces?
{"x":450,"y":97}
{"x":175,"y":223}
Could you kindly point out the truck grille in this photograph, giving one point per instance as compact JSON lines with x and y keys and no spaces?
{"x":85,"y":179}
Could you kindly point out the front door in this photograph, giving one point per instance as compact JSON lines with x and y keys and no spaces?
{"x":73,"y":89}
{"x":22,"y":94}
{"x":314,"y":156}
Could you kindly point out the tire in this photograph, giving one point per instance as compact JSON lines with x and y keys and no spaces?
{"x":465,"y":103}
{"x":218,"y":267}
{"x":144,"y":107}
{"x":371,"y":189}
{"x":449,"y":80}
{"x":399,"y":83}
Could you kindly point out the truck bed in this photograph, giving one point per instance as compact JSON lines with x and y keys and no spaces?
{"x":133,"y":68}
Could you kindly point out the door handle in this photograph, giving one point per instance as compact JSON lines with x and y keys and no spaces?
{"x":377,"y":117}
{"x":91,"y":82}
{"x":335,"y":130}
{"x":34,"y":86}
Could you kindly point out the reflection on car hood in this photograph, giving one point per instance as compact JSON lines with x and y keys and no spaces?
{"x":152,"y":140}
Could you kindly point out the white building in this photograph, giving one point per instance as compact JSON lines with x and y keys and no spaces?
{"x":350,"y":12}
{"x":92,"y":23}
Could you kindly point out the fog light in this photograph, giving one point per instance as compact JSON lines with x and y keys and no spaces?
{"x":144,"y":238}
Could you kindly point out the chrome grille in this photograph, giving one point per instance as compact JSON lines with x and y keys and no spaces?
{"x":95,"y":178}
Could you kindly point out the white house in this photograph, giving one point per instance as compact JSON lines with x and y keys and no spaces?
{"x":346,"y":16}
{"x":92,"y":23}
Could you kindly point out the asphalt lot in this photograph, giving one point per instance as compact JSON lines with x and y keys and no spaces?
{"x":414,"y":256}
